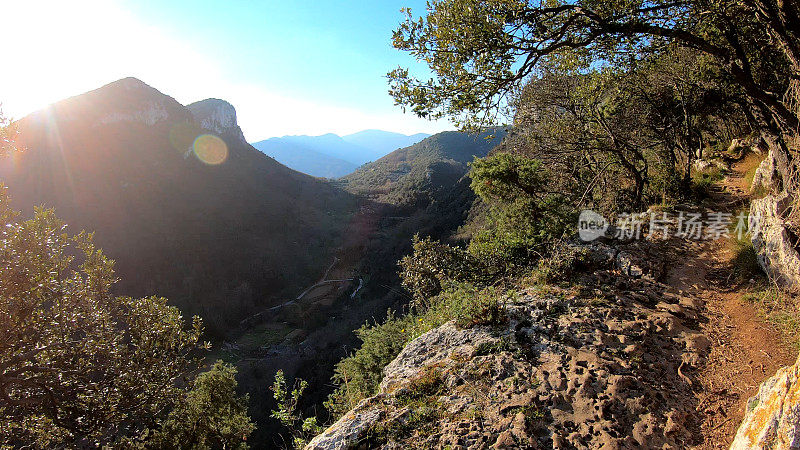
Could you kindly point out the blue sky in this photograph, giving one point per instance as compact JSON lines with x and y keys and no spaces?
{"x":289,"y":67}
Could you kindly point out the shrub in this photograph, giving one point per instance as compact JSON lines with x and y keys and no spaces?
{"x":432,"y":264}
{"x":525,"y":217}
{"x":302,"y":430}
{"x":211,"y":415}
{"x":358,"y":375}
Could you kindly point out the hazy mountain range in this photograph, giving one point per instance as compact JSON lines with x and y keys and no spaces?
{"x":333,"y":156}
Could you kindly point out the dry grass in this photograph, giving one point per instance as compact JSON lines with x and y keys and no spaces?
{"x":780,"y":310}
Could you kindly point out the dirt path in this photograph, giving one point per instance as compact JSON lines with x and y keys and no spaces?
{"x":744,"y":350}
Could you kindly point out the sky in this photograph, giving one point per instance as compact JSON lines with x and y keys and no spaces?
{"x":289,"y":67}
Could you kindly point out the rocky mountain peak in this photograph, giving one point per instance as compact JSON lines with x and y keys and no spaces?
{"x":218,"y":116}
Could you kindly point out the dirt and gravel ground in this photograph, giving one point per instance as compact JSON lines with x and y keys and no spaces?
{"x":745,"y":349}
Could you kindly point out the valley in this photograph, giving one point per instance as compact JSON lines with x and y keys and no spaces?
{"x":281,"y":266}
{"x":444,"y":224}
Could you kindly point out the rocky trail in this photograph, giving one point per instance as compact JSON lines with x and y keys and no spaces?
{"x":744,"y":350}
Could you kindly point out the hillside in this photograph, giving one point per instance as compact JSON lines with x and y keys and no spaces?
{"x":178,"y":198}
{"x":649,"y":343}
{"x":306,"y":156}
{"x":409,"y":175}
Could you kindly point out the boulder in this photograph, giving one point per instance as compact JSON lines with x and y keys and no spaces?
{"x":349,"y":429}
{"x":701,"y":165}
{"x":772,"y":419}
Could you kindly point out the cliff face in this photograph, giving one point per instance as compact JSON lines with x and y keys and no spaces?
{"x":774,"y":242}
{"x":218,"y":116}
{"x":608,"y":366}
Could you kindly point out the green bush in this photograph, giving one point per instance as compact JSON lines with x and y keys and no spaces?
{"x":301,"y":429}
{"x":211,"y":415}
{"x":432,"y":264}
{"x":358,"y":375}
{"x":525,"y":216}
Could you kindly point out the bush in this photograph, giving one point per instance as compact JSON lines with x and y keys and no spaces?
{"x":211,"y":415}
{"x":358,"y":375}
{"x":302,"y":430}
{"x":525,"y":218}
{"x":432,"y":264}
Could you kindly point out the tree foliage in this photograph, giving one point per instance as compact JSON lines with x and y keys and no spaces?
{"x":210,"y":416}
{"x":526,"y":214}
{"x":79,"y":366}
{"x":481,"y":51}
{"x":432,"y":264}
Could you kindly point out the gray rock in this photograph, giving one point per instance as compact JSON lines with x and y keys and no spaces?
{"x":766,"y":178}
{"x":350,"y":428}
{"x":431,"y":348}
{"x":772,"y":243}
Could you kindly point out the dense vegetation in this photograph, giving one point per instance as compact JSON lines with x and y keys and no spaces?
{"x":412,"y":176}
{"x":81,"y":367}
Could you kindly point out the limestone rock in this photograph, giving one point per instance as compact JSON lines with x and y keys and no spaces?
{"x":431,"y":348}
{"x":611,"y":368}
{"x":766,"y":177}
{"x":701,"y":165}
{"x":772,"y":420}
{"x":772,"y":241}
{"x":349,"y":429}
{"x":217,"y":116}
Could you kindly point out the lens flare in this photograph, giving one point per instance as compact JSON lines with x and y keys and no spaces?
{"x":210,"y":149}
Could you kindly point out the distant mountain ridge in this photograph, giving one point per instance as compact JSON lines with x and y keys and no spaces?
{"x":333,"y":156}
{"x":435,"y":163}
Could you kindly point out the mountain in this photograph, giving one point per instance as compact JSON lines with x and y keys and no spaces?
{"x":412,"y":174}
{"x":178,"y":198}
{"x":304,"y":158}
{"x":332,"y":156}
{"x":383,"y":142}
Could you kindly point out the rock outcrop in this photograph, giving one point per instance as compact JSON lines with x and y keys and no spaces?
{"x":610,"y":365}
{"x":217,"y":116}
{"x":772,"y":419}
{"x":774,"y":243}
